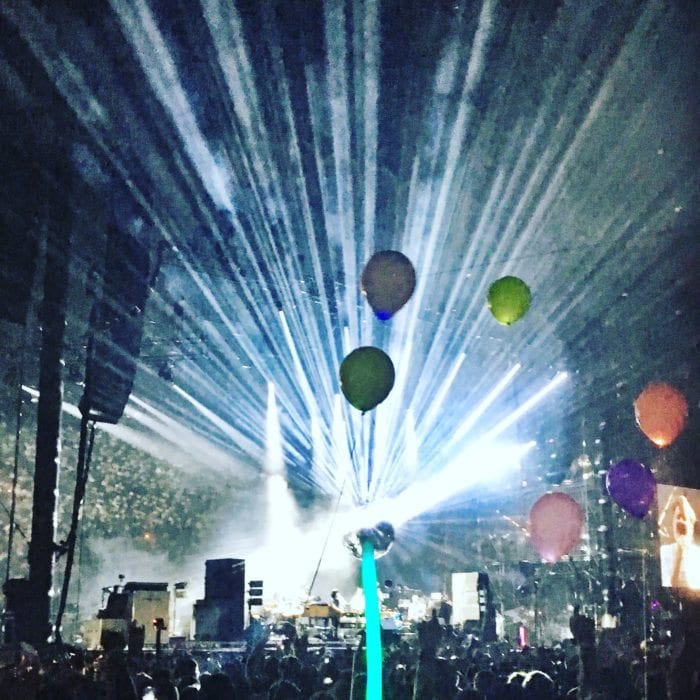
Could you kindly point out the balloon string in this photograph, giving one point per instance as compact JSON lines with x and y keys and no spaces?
{"x":373,"y":640}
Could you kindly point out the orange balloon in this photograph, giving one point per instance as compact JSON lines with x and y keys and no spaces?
{"x":555,"y":523}
{"x":661,"y":412}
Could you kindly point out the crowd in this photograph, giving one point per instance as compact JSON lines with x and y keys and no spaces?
{"x":438,"y":662}
{"x":130,"y":494}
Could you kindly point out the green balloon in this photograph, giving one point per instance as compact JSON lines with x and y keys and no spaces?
{"x":509,"y":299}
{"x":366,"y":377}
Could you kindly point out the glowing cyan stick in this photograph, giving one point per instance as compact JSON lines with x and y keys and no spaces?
{"x":373,"y":642}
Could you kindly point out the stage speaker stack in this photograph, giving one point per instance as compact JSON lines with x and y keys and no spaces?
{"x":465,"y":597}
{"x":472,"y":602}
{"x":220,"y":615}
{"x":116,"y":328}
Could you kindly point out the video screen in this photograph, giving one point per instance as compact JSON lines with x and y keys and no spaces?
{"x":679,"y":536}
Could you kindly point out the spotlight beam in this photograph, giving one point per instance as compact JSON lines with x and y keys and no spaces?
{"x":524,"y":408}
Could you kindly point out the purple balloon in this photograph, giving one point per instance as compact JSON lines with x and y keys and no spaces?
{"x":632,"y":486}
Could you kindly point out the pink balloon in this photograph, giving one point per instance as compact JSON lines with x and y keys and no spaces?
{"x":556,"y":521}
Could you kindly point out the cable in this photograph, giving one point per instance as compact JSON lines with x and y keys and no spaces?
{"x":330,"y":527}
{"x":328,"y":536}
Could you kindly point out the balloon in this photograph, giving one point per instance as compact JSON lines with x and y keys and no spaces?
{"x":632,"y":486}
{"x":661,"y":412}
{"x":366,"y":377}
{"x":556,"y":521}
{"x":388,"y":281}
{"x":509,"y":299}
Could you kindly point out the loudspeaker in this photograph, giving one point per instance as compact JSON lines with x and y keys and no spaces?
{"x":224,"y":579}
{"x":218,"y":620}
{"x":465,"y":597}
{"x":116,"y":328}
{"x":472,"y":600}
{"x":19,"y":604}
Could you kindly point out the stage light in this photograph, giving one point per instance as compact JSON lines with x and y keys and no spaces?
{"x":274,"y":456}
{"x":525,"y":407}
{"x":476,"y":464}
{"x":481,"y":407}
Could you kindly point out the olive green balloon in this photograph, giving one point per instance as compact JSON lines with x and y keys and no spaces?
{"x":509,"y":299}
{"x":366,"y":377}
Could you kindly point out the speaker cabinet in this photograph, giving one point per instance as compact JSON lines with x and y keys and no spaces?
{"x":219,"y":620}
{"x":224,"y":579}
{"x":465,"y":597}
{"x":116,"y":329}
{"x":146,"y":607}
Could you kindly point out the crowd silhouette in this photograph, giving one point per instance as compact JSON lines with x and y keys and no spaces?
{"x":435,"y":662}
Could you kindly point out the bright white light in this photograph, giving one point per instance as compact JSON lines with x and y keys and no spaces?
{"x":343,"y":459}
{"x":299,"y":370}
{"x":478,"y":464}
{"x":436,"y":403}
{"x":481,"y":407}
{"x":411,"y":455}
{"x":274,"y":455}
{"x":319,"y":461}
{"x":525,"y":407}
{"x":236,"y":436}
{"x":282,"y":536}
{"x":163,"y":438}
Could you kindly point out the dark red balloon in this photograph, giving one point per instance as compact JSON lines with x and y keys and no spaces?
{"x":388,"y":281}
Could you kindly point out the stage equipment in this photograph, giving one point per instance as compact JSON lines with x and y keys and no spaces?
{"x":116,"y":328}
{"x":373,"y":638}
{"x":381,"y":536}
{"x":465,"y":597}
{"x":149,"y":601}
{"x":255,"y":591}
{"x":472,"y":601}
{"x":114,"y":343}
{"x":130,"y":608}
{"x":218,"y":620}
{"x":21,"y":204}
{"x":19,"y":600}
{"x":18,"y":254}
{"x":224,"y":578}
{"x":373,"y":543}
{"x":322,"y":610}
{"x":220,"y":615}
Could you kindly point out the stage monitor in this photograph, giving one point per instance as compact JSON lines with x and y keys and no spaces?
{"x":679,"y":543}
{"x":465,"y":596}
